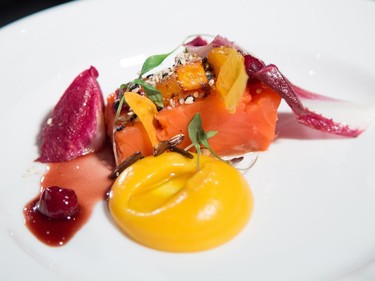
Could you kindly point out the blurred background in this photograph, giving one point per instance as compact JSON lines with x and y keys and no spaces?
{"x":12,"y":10}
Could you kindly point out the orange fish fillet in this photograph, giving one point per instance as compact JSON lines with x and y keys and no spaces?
{"x":250,"y":128}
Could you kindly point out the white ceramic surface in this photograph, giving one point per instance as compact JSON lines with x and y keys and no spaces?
{"x":315,"y":194}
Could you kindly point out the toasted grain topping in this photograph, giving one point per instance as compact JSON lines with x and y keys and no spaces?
{"x":189,"y":100}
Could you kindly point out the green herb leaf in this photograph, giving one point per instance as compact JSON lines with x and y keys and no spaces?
{"x":195,"y":129}
{"x":152,"y":62}
{"x":199,"y":137}
{"x":210,"y":134}
{"x":152,"y":93}
{"x":204,"y":141}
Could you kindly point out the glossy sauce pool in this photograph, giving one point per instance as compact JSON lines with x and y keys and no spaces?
{"x":88,"y":177}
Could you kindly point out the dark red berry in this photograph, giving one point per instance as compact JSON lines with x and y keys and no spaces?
{"x":58,"y":203}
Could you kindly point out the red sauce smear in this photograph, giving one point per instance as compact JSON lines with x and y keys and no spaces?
{"x":88,"y":177}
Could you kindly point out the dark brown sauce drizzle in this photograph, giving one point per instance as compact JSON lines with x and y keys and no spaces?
{"x":88,"y":177}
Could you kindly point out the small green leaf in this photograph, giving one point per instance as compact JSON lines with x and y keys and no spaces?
{"x":210,"y":134}
{"x":199,"y":137}
{"x":152,"y":93}
{"x":152,"y":62}
{"x":204,"y":141}
{"x":194,"y":127}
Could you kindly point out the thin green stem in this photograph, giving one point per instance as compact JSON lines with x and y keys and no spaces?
{"x":118,"y":112}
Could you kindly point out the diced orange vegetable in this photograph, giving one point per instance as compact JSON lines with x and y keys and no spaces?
{"x":191,"y":76}
{"x":169,"y":87}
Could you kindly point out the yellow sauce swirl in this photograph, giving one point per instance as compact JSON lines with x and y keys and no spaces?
{"x":167,"y":204}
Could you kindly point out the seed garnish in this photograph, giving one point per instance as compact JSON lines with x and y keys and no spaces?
{"x":171,"y":145}
{"x":126,"y":163}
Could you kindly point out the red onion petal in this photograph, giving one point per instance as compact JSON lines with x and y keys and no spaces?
{"x":196,"y":42}
{"x":203,"y":50}
{"x":298,"y":98}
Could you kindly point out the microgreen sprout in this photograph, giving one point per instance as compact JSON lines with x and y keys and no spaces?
{"x":199,"y":137}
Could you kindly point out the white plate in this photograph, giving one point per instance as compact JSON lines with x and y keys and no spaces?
{"x":314,"y":212}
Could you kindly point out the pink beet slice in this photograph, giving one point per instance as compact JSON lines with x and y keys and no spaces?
{"x":76,"y":124}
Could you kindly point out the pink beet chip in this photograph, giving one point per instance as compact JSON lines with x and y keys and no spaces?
{"x":76,"y":124}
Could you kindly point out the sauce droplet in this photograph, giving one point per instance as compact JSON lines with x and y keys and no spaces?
{"x":88,"y":177}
